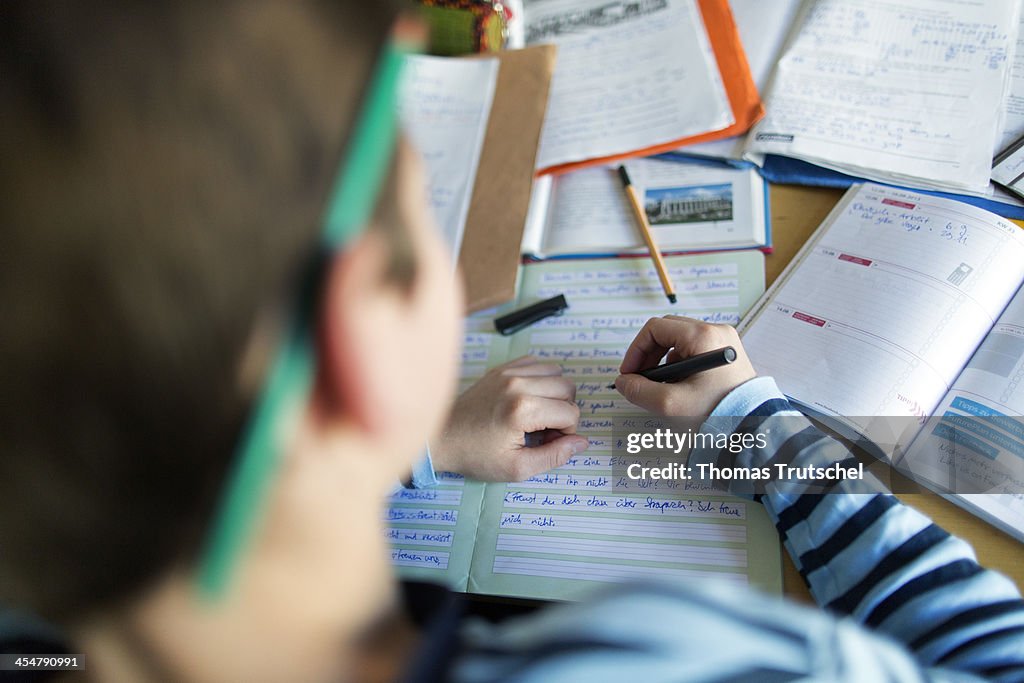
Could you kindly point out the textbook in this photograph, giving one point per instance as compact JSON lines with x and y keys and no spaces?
{"x":560,"y":534}
{"x":636,"y":78}
{"x":690,"y":207}
{"x":901,"y":322}
{"x":920,"y":93}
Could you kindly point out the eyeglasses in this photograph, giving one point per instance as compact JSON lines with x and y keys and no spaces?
{"x":289,"y":380}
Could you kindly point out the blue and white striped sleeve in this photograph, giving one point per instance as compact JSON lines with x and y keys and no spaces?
{"x":865,"y":554}
{"x":905,"y":600}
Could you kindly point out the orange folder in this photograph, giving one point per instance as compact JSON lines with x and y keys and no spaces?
{"x":744,"y":99}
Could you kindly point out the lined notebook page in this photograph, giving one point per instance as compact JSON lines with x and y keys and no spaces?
{"x":562,"y":533}
{"x":432,"y":531}
{"x":885,"y":305}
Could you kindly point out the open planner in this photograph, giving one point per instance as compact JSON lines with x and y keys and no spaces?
{"x":908,"y":305}
{"x":560,"y":534}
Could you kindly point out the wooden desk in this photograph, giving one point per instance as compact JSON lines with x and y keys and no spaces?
{"x":796,"y":212}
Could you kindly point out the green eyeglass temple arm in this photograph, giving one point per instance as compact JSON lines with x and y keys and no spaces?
{"x":290,"y":378}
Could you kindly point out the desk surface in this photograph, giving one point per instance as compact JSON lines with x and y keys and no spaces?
{"x":796,"y":212}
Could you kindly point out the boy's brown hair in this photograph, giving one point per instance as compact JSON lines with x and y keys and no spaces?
{"x":165,"y":170}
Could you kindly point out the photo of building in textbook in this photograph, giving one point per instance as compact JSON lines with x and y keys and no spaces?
{"x":692,"y":204}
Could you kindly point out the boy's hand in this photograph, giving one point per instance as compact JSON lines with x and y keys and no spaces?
{"x":486,"y":434}
{"x":681,"y":337}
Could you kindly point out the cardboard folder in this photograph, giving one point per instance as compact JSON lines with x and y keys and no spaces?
{"x":489,"y":257}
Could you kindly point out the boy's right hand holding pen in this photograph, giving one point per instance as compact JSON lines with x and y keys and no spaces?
{"x":682,"y":338}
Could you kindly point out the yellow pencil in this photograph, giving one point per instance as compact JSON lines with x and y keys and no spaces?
{"x":645,"y":230}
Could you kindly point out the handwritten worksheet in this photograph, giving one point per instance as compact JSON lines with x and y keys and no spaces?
{"x":907,"y":93}
{"x":629,"y":76}
{"x":444,"y":105}
{"x":1013,"y":102}
{"x":563,"y":532}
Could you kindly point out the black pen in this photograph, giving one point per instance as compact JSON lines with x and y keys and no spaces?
{"x":681,"y":369}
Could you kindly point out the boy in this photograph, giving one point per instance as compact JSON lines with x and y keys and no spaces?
{"x":166,"y":175}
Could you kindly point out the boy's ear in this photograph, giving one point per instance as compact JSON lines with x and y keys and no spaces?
{"x":356,"y":331}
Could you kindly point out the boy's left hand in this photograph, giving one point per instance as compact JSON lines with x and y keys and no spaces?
{"x":486,"y":434}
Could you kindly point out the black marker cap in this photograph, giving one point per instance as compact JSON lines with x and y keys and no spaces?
{"x":524,"y":317}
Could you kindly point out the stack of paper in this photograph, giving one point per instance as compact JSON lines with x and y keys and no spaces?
{"x":908,"y":94}
{"x":919,"y":94}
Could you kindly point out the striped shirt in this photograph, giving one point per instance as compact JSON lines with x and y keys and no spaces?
{"x":903,"y":599}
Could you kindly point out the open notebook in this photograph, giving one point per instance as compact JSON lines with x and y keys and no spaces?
{"x":562,"y":533}
{"x":905,"y":305}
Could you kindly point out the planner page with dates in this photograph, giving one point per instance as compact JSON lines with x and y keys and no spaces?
{"x":883,"y":307}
